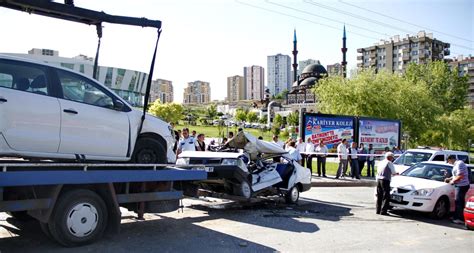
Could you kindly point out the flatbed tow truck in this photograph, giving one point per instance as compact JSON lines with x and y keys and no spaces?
{"x":76,"y":203}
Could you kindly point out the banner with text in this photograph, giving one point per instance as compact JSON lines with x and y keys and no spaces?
{"x":379,"y":133}
{"x":330,"y":129}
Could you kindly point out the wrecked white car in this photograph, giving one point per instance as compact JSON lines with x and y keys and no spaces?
{"x":250,"y":168}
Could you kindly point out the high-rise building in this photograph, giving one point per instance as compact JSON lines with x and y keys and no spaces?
{"x":197,"y":92}
{"x":395,"y":54}
{"x":335,"y":69}
{"x":303,"y":64}
{"x":235,"y":88}
{"x":465,"y":67}
{"x":254,"y":82}
{"x":161,"y":89}
{"x":279,"y":73}
{"x":128,"y":84}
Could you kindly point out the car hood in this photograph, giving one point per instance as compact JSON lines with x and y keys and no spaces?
{"x":415,"y":183}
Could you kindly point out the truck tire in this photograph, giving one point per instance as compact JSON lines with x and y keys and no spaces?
{"x":292,"y":196}
{"x":79,"y":218}
{"x":149,"y":150}
{"x":45,"y":228}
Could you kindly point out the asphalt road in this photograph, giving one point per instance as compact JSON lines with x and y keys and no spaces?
{"x":340,"y":219}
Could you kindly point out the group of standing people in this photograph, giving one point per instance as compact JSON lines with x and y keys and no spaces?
{"x":357,"y":157}
{"x":305,"y":152}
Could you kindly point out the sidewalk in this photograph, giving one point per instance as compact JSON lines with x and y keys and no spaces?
{"x":330,"y":181}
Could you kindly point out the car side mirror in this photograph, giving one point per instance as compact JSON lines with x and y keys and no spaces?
{"x":118,"y":105}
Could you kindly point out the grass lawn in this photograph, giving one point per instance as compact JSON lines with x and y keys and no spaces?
{"x":213,"y":131}
{"x":331,"y":168}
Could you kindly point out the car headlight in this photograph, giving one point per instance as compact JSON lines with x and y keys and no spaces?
{"x":182,"y":161}
{"x":227,"y":161}
{"x":470,"y":204}
{"x":423,"y":192}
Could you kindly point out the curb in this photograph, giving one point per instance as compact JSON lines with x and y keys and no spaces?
{"x":331,"y":182}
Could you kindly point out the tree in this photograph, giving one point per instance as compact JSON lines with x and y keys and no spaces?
{"x":452,"y":130}
{"x":240,"y":115}
{"x":281,"y":95}
{"x":382,"y":95}
{"x":447,"y":88}
{"x":278,"y":121}
{"x":252,"y":117}
{"x":211,"y":111}
{"x":262,"y":120}
{"x":169,"y":112}
{"x":293,"y":119}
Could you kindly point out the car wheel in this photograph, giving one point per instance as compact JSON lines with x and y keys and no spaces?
{"x":243,"y":189}
{"x":79,"y":218}
{"x":148,"y":150}
{"x":292,"y":196}
{"x":440,"y":209}
{"x":20,"y":215}
{"x":468,"y":227}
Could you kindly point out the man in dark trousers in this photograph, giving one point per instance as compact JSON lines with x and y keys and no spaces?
{"x":385,"y":170}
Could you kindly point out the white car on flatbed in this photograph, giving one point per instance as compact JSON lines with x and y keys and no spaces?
{"x":50,"y":112}
{"x":422,"y":188}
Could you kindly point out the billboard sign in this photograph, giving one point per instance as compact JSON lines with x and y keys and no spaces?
{"x":329,"y":128}
{"x":380,"y":133}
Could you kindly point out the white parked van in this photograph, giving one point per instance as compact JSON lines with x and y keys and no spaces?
{"x":414,"y":156}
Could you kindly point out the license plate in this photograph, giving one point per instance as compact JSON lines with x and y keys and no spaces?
{"x":206,"y":169}
{"x":397,"y":198}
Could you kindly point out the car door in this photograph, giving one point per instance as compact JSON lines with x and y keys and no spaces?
{"x":29,"y":115}
{"x":90,"y":125}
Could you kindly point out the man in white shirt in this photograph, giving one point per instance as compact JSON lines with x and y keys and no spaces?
{"x":300,"y":146}
{"x":385,"y":170}
{"x":187,"y":143}
{"x":321,"y":157}
{"x":309,"y":148}
{"x":342,"y":155}
{"x":293,"y":152}
{"x":354,"y":161}
{"x":276,"y":141}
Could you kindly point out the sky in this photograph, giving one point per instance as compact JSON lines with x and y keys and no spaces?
{"x":210,"y":40}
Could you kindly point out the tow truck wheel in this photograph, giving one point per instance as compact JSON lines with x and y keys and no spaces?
{"x":148,"y":150}
{"x":44,"y":227}
{"x":292,"y":195}
{"x":79,"y":218}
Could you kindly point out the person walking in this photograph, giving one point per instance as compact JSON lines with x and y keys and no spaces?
{"x":460,"y":180}
{"x":371,"y":161}
{"x":321,"y":157}
{"x":354,"y":161}
{"x":385,"y":170}
{"x":342,"y":155}
{"x":309,"y":148}
{"x":362,"y":157}
{"x":301,"y":146}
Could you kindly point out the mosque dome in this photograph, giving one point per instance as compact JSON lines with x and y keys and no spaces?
{"x":314,"y":70}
